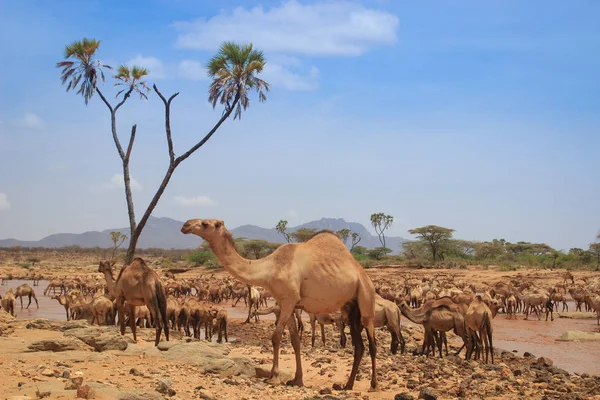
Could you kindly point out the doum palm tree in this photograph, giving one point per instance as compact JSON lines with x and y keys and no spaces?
{"x":234,"y":71}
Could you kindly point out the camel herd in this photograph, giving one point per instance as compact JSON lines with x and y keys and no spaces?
{"x":319,"y":277}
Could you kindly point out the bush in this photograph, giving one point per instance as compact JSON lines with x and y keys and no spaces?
{"x":200,"y":257}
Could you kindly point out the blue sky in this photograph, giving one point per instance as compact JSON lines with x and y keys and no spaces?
{"x":478,"y":116}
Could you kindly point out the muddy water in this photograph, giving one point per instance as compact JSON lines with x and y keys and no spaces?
{"x":536,"y":337}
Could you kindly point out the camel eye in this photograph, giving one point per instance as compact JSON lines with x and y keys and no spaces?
{"x":217,"y":224}
{"x":204,"y":224}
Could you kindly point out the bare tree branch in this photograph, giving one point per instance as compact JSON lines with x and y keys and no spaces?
{"x":167,"y":104}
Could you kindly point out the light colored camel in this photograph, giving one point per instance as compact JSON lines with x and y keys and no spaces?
{"x":533,"y":301}
{"x":479,"y":320}
{"x":593,"y":300}
{"x":275,"y":309}
{"x":253,"y":302}
{"x":578,"y":296}
{"x":8,"y":302}
{"x":511,"y":307}
{"x":387,"y":314}
{"x":558,"y":297}
{"x":334,"y":319}
{"x":26,"y":290}
{"x":442,"y":319}
{"x":63,"y":301}
{"x":139,"y":285}
{"x":319,"y":276}
{"x":54,"y":283}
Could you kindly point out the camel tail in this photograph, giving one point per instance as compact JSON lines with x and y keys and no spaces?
{"x":161,"y":301}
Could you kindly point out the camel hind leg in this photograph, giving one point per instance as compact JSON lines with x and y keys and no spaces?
{"x":296,"y":343}
{"x":131,"y":322}
{"x":36,"y":301}
{"x":355,"y":332}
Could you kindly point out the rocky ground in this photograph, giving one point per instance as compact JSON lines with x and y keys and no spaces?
{"x":64,"y":360}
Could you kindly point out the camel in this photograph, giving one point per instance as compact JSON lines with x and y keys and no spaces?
{"x":8,"y":302}
{"x":594,"y":302}
{"x":327,"y":319}
{"x":55,"y":283}
{"x":63,"y":301}
{"x":558,"y":297}
{"x":139,"y":285}
{"x":479,"y":320}
{"x":511,"y":306}
{"x":275,"y":309}
{"x":578,"y":296}
{"x":253,"y":302}
{"x":26,"y":290}
{"x":220,"y":324}
{"x":442,"y":319}
{"x":568,"y":276}
{"x":387,"y":314}
{"x":319,"y":276}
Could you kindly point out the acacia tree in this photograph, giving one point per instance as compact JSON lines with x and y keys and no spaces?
{"x":434,"y":236}
{"x":233,"y":71}
{"x":380,"y":223}
{"x":344,"y":234}
{"x":303,"y":234}
{"x":282,"y":228}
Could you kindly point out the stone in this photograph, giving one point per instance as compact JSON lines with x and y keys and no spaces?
{"x":403,"y":396}
{"x":139,"y":395}
{"x":135,"y":372}
{"x":86,"y":392}
{"x":74,"y":383}
{"x":427,"y":394}
{"x":578,"y":335}
{"x":205,"y":395}
{"x":101,"y":338}
{"x":212,"y":358}
{"x":545,"y":362}
{"x":325,"y":390}
{"x":59,"y":344}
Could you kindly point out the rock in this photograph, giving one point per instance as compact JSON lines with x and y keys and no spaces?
{"x":163,"y":386}
{"x":578,"y":335}
{"x":427,"y":394}
{"x":211,"y":357}
{"x":403,"y":396}
{"x":166,"y":346}
{"x":59,"y":344}
{"x":42,"y":323}
{"x":545,"y":362}
{"x":42,"y":395}
{"x":65,"y":374}
{"x":86,"y":392}
{"x":74,"y":383}
{"x":139,"y":395}
{"x":528,"y":355}
{"x":205,"y":394}
{"x":325,"y":390}
{"x":101,"y":338}
{"x":135,"y":372}
{"x":50,"y":372}
{"x":338,"y":386}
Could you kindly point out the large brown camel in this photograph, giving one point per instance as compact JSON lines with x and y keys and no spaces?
{"x":26,"y":290}
{"x":319,"y":276}
{"x":139,"y":285}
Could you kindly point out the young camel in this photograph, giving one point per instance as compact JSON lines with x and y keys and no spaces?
{"x":220,"y":324}
{"x":139,"y":285}
{"x":319,"y":276}
{"x":275,"y":309}
{"x":26,"y":290}
{"x":327,"y":319}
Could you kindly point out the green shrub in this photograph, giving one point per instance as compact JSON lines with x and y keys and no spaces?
{"x":200,"y":257}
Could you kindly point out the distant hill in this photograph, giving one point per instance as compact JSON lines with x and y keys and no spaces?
{"x":166,"y":233}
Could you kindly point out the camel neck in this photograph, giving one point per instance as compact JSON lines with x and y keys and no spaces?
{"x":417,"y":315}
{"x":251,"y":272}
{"x":110,"y":282}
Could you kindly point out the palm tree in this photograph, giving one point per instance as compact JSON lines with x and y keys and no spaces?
{"x":233,"y":70}
{"x":131,"y":80}
{"x":84,"y":68}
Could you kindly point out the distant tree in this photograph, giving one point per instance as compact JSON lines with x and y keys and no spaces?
{"x":359,"y":250}
{"x":33,"y":260}
{"x":117,"y":238}
{"x":303,"y":234}
{"x":595,"y":250}
{"x":200,"y":257}
{"x":344,"y":234}
{"x":380,"y":223}
{"x":378,"y":252}
{"x":259,"y":248}
{"x":282,"y":228}
{"x":414,"y":249}
{"x":434,"y":236}
{"x":233,"y":71}
{"x":355,"y":240}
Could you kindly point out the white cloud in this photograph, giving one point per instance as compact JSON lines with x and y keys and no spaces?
{"x":156,"y":68}
{"x":4,"y":203}
{"x":281,"y":74}
{"x":192,"y":69}
{"x":29,"y":121}
{"x":116,"y":182}
{"x":330,"y":28}
{"x":198,"y":201}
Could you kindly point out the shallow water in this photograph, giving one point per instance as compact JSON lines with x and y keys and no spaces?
{"x":536,"y":337}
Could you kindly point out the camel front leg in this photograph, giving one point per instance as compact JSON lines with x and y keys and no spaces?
{"x":132,"y":322}
{"x":286,"y":312}
{"x":322,"y":333}
{"x":21,"y":298}
{"x":359,"y":347}
{"x":121,"y":314}
{"x":296,"y":343}
{"x":36,"y":302}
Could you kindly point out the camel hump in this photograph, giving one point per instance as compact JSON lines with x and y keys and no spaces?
{"x":322,"y":232}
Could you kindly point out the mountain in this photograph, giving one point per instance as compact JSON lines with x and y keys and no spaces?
{"x":166,"y":233}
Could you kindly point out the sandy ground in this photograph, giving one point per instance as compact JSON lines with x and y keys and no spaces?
{"x":573,"y":373}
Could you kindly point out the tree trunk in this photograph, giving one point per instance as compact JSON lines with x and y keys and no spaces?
{"x":434,"y":251}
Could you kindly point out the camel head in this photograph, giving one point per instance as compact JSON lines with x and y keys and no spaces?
{"x":104,"y":266}
{"x":207,"y":229}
